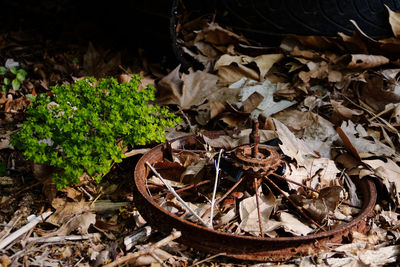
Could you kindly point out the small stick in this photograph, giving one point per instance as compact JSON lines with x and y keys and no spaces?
{"x":160,"y":261}
{"x":207,"y":259}
{"x":55,"y":239}
{"x":172,"y":190}
{"x":135,"y":152}
{"x":225,"y":195}
{"x":183,"y":189}
{"x":299,"y":209}
{"x":294,"y":182}
{"x":6,"y":241}
{"x":132,"y":256}
{"x":215,"y":189}
{"x":258,"y":208}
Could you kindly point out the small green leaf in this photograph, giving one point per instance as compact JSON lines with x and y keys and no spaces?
{"x":30,"y":97}
{"x":14,"y":70}
{"x":6,"y":81}
{"x":21,"y":75}
{"x":3,"y":70}
{"x":15,"y":84}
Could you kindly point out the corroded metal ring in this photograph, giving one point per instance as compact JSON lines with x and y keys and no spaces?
{"x":239,"y":246}
{"x":266,"y":159}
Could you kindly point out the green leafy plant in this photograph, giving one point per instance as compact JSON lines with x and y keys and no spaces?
{"x":84,"y":127}
{"x":12,"y":78}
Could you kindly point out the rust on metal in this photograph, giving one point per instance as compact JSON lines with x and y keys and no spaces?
{"x":256,"y":157}
{"x":240,"y":246}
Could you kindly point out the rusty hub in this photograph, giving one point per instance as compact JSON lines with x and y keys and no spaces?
{"x":239,"y":246}
{"x":256,"y":157}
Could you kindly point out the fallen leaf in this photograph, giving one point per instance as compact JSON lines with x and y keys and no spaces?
{"x":94,"y":62}
{"x":374,"y":92}
{"x":268,"y":106}
{"x":187,"y":91}
{"x":357,"y":137}
{"x":249,"y":214}
{"x":360,"y":61}
{"x":66,"y":210}
{"x":389,"y":172}
{"x":380,"y":256}
{"x":252,"y":102}
{"x":80,"y":223}
{"x":293,"y":225}
{"x":217,"y":35}
{"x":394,"y":20}
{"x":229,"y":142}
{"x":194,"y":173}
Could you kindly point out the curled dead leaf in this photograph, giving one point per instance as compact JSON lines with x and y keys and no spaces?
{"x":360,"y":61}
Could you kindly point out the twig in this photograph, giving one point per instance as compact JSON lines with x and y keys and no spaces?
{"x":299,"y":209}
{"x":132,"y":256}
{"x":294,"y":182}
{"x":172,"y":190}
{"x":258,"y":207}
{"x":6,"y":241}
{"x":225,"y":195}
{"x":183,"y":189}
{"x":135,"y":152}
{"x":215,"y":189}
{"x":207,"y":259}
{"x":160,"y":261}
{"x":55,"y":239}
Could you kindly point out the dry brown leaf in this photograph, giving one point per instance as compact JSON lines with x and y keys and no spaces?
{"x":360,"y":61}
{"x":341,"y":113}
{"x":215,"y":34}
{"x":307,"y":54}
{"x":252,"y":102}
{"x":376,"y":94}
{"x":216,"y":107}
{"x":357,"y":137}
{"x":389,"y":171}
{"x":95,"y":65}
{"x":190,"y":90}
{"x":170,"y":88}
{"x":229,"y":142}
{"x":80,"y":223}
{"x":66,"y":210}
{"x":317,"y":70}
{"x":293,"y":225}
{"x":249,"y":215}
{"x":263,"y":63}
{"x":233,"y":73}
{"x":194,"y":173}
{"x":394,"y":20}
{"x":16,"y":105}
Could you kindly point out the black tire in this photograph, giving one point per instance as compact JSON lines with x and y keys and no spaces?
{"x":262,"y":19}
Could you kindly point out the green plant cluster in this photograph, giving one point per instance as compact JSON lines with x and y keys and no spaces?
{"x":84,"y":127}
{"x":12,"y":78}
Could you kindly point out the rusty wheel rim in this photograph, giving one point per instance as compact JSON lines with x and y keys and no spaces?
{"x":239,"y":246}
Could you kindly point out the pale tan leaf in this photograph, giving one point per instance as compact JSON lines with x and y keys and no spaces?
{"x":249,"y":214}
{"x":394,"y":20}
{"x":360,"y":61}
{"x":357,"y":137}
{"x":66,"y":210}
{"x":230,"y":73}
{"x":293,"y":225}
{"x":80,"y":223}
{"x":251,"y":103}
{"x":194,"y":172}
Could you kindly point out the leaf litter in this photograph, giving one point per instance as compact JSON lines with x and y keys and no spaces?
{"x":334,"y":111}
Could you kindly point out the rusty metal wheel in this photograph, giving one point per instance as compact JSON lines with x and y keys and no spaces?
{"x":240,"y":246}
